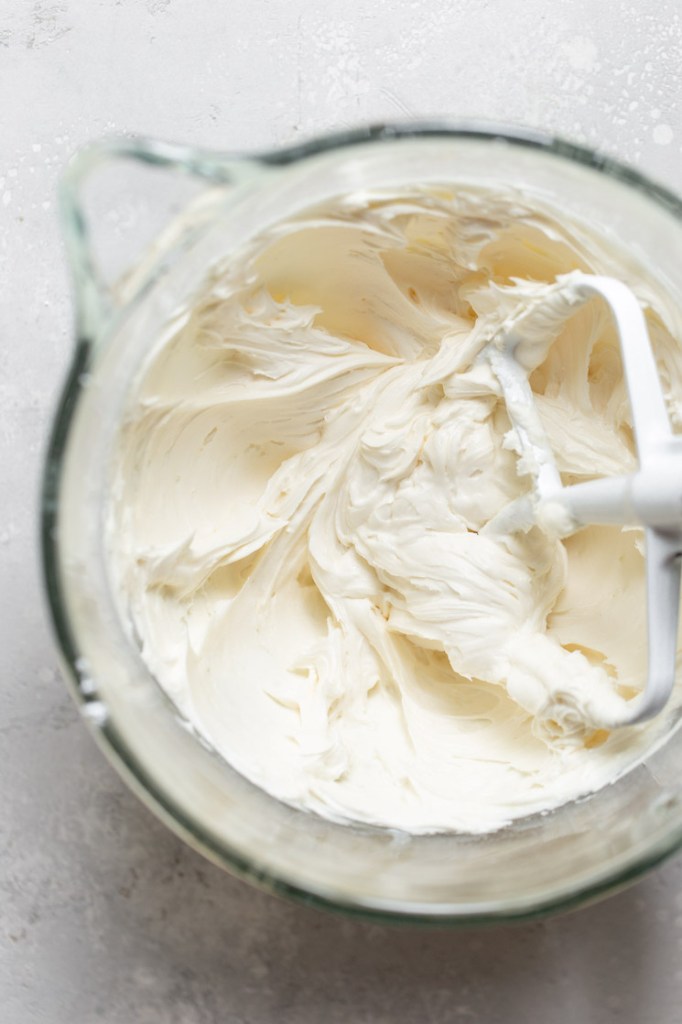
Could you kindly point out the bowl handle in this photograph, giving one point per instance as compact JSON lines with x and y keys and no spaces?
{"x":95,"y":299}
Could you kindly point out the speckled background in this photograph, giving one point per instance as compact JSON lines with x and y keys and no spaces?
{"x":105,"y":916}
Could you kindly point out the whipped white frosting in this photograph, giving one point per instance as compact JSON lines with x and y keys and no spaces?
{"x":303,"y":484}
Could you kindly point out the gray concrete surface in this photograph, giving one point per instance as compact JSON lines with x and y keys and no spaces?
{"x":104,"y":916}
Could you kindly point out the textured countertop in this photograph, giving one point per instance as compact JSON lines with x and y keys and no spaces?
{"x":104,"y":915}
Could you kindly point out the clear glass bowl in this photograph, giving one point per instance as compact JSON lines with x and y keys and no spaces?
{"x":538,"y":864}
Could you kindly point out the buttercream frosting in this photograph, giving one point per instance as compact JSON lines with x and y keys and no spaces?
{"x":303,"y":483}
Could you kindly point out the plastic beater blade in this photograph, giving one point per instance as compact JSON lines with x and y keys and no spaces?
{"x":663,"y":572}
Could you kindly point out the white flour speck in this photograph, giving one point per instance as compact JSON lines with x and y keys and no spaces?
{"x":95,"y":711}
{"x":663,"y":134}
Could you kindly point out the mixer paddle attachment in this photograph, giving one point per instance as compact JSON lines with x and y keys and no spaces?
{"x":650,"y":497}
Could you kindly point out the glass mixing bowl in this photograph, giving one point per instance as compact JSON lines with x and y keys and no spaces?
{"x":540,"y":863}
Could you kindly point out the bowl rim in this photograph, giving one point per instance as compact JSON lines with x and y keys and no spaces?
{"x":114,"y":745}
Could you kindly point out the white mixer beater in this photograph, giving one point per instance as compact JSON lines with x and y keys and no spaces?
{"x":651,"y":496}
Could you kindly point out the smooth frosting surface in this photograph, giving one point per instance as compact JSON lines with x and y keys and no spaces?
{"x":303,"y":483}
